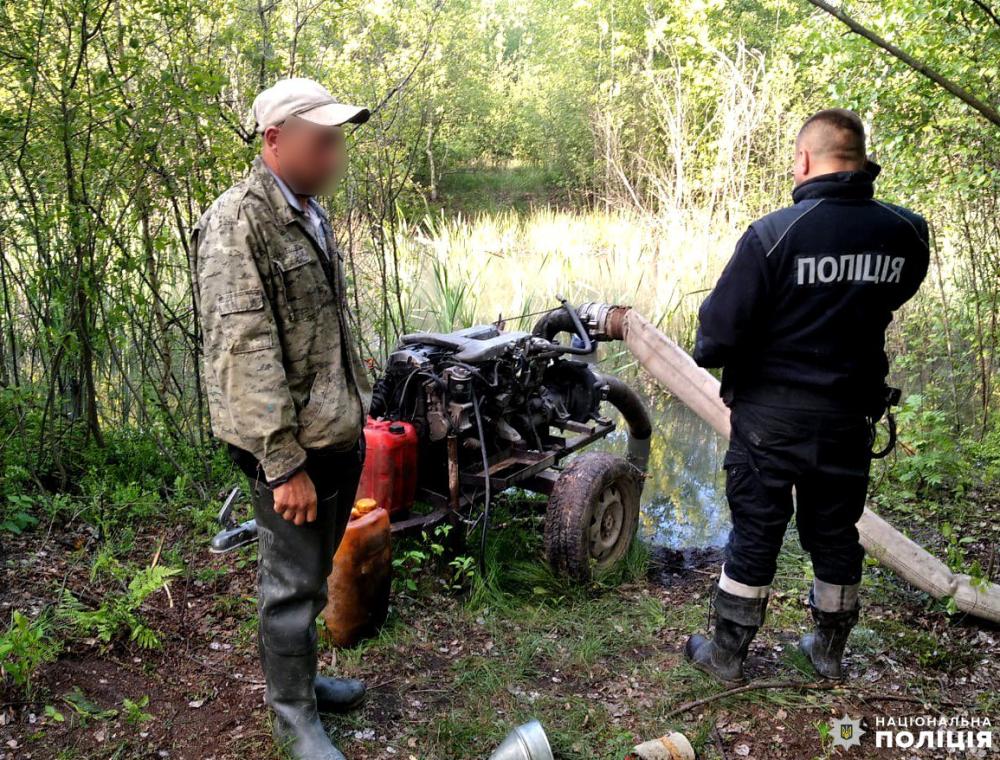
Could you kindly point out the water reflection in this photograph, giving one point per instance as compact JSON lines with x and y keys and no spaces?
{"x":684,"y":500}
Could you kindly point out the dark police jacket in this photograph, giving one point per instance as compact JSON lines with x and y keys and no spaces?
{"x":798,"y":317}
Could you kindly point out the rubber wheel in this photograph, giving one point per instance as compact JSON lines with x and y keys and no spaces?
{"x":592,"y":515}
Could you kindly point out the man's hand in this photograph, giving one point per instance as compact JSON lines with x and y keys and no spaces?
{"x":295,"y":499}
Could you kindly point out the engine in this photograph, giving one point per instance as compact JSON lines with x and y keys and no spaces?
{"x":516,"y":385}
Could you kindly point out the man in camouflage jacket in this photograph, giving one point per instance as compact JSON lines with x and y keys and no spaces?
{"x":286,"y":387}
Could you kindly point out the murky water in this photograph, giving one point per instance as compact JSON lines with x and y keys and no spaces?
{"x":684,"y":500}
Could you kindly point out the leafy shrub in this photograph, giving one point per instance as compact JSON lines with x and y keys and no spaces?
{"x":986,"y":452}
{"x":24,"y":647}
{"x":17,"y":514}
{"x":120,"y":612}
{"x":934,"y":459}
{"x":135,"y":711}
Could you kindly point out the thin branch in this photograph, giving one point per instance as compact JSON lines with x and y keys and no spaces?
{"x":959,"y":92}
{"x":753,"y":686}
{"x":988,"y":11}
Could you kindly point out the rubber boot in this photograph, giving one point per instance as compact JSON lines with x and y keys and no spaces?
{"x":825,"y":645}
{"x":338,"y":695}
{"x":290,"y":693}
{"x":291,"y":591}
{"x":333,"y":695}
{"x":737,"y":620}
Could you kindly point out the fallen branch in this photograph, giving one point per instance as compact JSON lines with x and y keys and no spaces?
{"x":753,"y":686}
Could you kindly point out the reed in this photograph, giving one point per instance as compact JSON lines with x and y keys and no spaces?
{"x":506,"y":264}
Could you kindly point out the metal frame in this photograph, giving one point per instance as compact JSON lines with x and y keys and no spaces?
{"x":530,"y":469}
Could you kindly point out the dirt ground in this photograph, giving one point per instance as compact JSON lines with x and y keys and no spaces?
{"x":448,"y":678}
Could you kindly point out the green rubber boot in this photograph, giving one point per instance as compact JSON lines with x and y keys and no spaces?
{"x":297,"y":725}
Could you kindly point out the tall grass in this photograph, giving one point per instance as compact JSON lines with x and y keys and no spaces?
{"x":507,"y":264}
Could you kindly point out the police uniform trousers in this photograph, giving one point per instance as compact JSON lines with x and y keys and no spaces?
{"x":825,"y":457}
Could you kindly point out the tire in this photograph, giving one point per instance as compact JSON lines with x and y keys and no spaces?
{"x":592,"y":516}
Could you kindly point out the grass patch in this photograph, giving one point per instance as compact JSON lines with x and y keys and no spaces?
{"x":518,"y":187}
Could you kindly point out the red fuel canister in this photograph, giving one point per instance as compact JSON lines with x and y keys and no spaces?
{"x":390,"y":472}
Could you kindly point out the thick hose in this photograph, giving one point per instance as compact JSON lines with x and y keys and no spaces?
{"x":696,"y":388}
{"x":550,"y":324}
{"x":636,"y":416}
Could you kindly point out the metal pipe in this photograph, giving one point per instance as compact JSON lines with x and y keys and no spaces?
{"x":453,"y":490}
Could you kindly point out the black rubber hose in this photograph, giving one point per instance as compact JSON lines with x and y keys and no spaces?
{"x":623,"y":398}
{"x":564,"y":320}
{"x":549,"y":325}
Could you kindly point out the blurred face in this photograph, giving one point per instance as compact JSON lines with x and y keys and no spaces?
{"x":309,"y":158}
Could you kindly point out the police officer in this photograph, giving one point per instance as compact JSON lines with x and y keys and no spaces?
{"x":797,"y":322}
{"x":286,"y":387}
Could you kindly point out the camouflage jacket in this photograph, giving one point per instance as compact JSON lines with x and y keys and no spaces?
{"x":282,"y":371}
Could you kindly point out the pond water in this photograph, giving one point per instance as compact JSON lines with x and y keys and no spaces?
{"x":684,"y":500}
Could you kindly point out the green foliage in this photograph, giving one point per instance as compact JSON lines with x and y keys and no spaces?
{"x":406,"y":566}
{"x":85,"y":708}
{"x":934,"y":460}
{"x":431,"y":552}
{"x":119,"y":612}
{"x":135,"y":712}
{"x":17,"y":515}
{"x":985,"y":452}
{"x":825,"y":732}
{"x":25,"y":646}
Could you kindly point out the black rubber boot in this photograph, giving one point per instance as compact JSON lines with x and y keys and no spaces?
{"x":297,"y":726}
{"x":338,"y":695}
{"x":736,"y":623}
{"x":825,"y":645}
{"x":333,"y":695}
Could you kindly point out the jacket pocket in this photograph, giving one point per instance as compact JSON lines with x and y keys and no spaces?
{"x":302,"y":282}
{"x":245,"y":324}
{"x":331,"y":417}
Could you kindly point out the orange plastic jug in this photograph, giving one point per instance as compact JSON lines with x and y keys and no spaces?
{"x":358,"y":587}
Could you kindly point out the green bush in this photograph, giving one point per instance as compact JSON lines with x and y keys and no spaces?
{"x":24,"y":647}
{"x":933,"y":459}
{"x":17,"y":516}
{"x":119,"y":613}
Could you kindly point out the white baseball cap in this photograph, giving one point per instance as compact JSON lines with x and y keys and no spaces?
{"x":307,"y":99}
